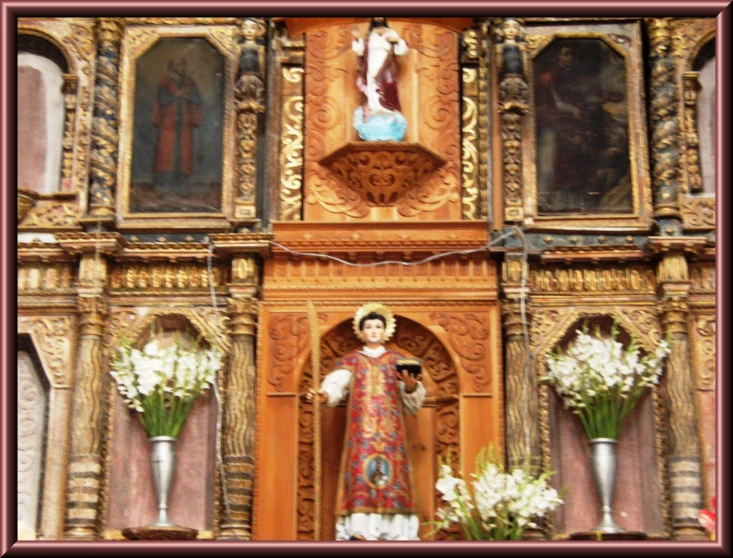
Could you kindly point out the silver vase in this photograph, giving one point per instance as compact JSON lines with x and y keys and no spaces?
{"x":163,"y":462}
{"x":603,"y":463}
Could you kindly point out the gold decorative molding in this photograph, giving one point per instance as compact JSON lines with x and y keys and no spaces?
{"x":161,"y":278}
{"x":687,"y":34}
{"x":703,"y":339}
{"x":51,"y":214}
{"x":690,"y":87}
{"x":627,"y":279}
{"x":53,"y":338}
{"x":382,"y":172}
{"x":26,"y":200}
{"x":45,"y":277}
{"x":291,"y":145}
{"x":703,"y":279}
{"x":698,"y":212}
{"x":470,"y":145}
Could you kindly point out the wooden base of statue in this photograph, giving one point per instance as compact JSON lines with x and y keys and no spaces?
{"x":599,"y":536}
{"x":150,"y":533}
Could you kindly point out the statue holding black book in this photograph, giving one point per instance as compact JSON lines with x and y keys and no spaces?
{"x":375,"y":497}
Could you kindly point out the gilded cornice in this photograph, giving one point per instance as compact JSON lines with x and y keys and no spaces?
{"x":81,"y":243}
{"x":688,"y":244}
{"x":596,"y":253}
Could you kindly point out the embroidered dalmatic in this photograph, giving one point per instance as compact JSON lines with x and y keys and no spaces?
{"x":375,"y":474}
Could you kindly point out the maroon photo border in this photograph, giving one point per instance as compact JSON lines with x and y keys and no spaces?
{"x":11,"y":10}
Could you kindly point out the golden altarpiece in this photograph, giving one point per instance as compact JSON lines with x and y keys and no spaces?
{"x":491,"y":266}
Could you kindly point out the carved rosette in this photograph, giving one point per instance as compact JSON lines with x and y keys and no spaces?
{"x":382,"y":172}
{"x":239,"y":428}
{"x":85,"y":463}
{"x":664,"y":120}
{"x":105,"y":136}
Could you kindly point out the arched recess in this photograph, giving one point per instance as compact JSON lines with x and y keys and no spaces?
{"x":33,"y":397}
{"x":702,"y":66}
{"x":129,"y":494}
{"x":434,"y":433}
{"x":44,"y":76}
{"x":640,"y":501}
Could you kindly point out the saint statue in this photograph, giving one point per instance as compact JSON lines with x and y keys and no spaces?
{"x":380,"y":118}
{"x":375,"y":499}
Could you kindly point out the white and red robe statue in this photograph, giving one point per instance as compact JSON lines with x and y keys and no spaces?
{"x":375,"y":496}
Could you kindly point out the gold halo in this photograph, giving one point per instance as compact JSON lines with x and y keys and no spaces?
{"x":379,"y":308}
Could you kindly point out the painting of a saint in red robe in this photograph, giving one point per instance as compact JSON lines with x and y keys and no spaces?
{"x":178,"y":141}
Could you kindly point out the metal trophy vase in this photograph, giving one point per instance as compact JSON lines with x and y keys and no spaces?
{"x":163,"y":462}
{"x":603,"y":463}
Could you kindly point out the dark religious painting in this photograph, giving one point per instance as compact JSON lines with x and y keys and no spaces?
{"x":177,"y":144}
{"x":582,"y":128}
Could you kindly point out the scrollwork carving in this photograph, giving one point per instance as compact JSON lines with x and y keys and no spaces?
{"x":468,"y":337}
{"x":53,"y":215}
{"x":698,"y":212}
{"x":53,"y":338}
{"x":705,"y":352}
{"x":291,"y":145}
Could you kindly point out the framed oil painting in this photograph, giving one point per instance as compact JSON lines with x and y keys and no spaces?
{"x":176,"y":128}
{"x":587,"y":163}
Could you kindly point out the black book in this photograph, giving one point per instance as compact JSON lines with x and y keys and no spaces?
{"x":413,"y":366}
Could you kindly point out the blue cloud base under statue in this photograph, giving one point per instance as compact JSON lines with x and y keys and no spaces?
{"x":380,"y":127}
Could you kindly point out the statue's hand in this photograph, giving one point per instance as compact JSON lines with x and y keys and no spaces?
{"x":410,"y":381}
{"x":392,"y":39}
{"x":323,"y":396}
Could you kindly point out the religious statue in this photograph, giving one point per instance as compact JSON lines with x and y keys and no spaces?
{"x":250,"y":86}
{"x":509,"y":33}
{"x":375,"y":499}
{"x":380,"y":118}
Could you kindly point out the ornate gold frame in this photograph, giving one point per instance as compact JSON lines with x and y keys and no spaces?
{"x":135,"y":42}
{"x":625,"y":39}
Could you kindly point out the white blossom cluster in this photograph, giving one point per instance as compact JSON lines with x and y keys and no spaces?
{"x":597,"y":369}
{"x":503,"y":505}
{"x":163,"y":382}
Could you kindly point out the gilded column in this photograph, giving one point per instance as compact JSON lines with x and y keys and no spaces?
{"x":69,"y":89}
{"x":513,"y":95}
{"x":85,"y":473}
{"x":250,"y":93}
{"x":683,"y":454}
{"x":105,"y":136}
{"x":664,"y":118}
{"x":239,"y":413}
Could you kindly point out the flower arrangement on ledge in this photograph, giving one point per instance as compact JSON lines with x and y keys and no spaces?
{"x":601,"y":382}
{"x":496,"y":505}
{"x":161,"y":384}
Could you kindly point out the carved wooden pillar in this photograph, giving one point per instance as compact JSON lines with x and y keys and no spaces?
{"x":522,"y":437}
{"x":513,"y":95}
{"x":239,"y":412}
{"x":85,"y":461}
{"x":105,"y":137}
{"x":664,"y":118}
{"x":250,"y":92}
{"x":683,"y":456}
{"x":691,"y":86}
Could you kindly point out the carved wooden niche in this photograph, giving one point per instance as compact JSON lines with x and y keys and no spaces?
{"x":131,"y":495}
{"x":637,"y":502}
{"x":433,"y":433}
{"x":347,"y":178}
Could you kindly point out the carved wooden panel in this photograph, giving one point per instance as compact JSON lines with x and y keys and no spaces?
{"x":428,"y":80}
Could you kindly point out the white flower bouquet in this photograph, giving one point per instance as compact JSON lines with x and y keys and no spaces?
{"x":161,"y":384}
{"x":501,"y":505}
{"x":601,"y":382}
